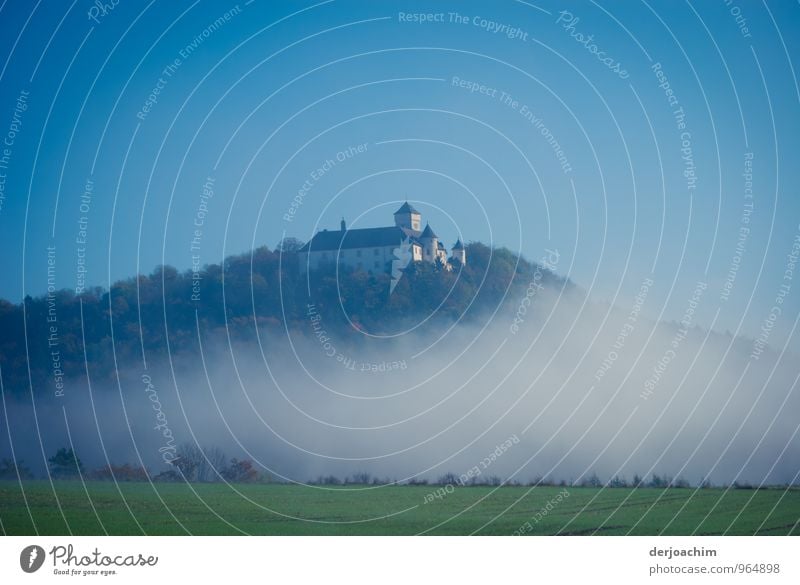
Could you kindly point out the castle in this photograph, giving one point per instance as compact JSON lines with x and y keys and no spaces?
{"x":375,"y":249}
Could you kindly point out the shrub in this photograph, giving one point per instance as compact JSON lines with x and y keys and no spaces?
{"x":126,"y":472}
{"x":170,"y":476}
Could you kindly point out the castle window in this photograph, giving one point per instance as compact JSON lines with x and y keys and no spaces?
{"x":377,"y":251}
{"x":377,"y":264}
{"x":358,"y":253}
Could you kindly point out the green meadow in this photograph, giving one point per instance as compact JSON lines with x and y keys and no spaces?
{"x":97,"y":508}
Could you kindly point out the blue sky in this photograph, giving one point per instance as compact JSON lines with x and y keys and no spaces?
{"x":277,"y":89}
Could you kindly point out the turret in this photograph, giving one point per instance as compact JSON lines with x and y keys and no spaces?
{"x":460,"y":253}
{"x":430,"y":244}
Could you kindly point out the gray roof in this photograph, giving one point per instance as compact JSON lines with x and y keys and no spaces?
{"x":458,"y":245}
{"x":428,"y":232}
{"x":359,"y":238}
{"x":406,"y":208}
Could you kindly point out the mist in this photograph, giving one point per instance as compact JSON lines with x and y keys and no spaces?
{"x":551,"y":385}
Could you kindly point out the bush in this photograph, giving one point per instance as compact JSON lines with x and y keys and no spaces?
{"x":170,"y":476}
{"x":126,"y":472}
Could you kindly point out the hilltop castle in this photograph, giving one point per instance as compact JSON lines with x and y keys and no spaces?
{"x":375,"y":249}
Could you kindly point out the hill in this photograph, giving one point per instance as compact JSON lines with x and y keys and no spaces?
{"x":58,"y":336}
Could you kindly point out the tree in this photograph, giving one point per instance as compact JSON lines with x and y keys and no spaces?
{"x":10,"y":469}
{"x":360,"y":478}
{"x":448,"y":478}
{"x":327,"y":480}
{"x":187,"y":461}
{"x":240,"y":471}
{"x":198,"y":464}
{"x":658,"y":481}
{"x":618,"y":482}
{"x":289,"y":245}
{"x":592,"y":481}
{"x":65,"y":464}
{"x":215,"y":462}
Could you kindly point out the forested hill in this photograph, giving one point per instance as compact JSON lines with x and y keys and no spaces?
{"x":260,"y":290}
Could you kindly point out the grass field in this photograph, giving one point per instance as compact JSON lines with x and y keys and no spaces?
{"x":211,"y":509}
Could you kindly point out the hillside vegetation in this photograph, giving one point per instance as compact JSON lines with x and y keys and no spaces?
{"x":264,"y":289}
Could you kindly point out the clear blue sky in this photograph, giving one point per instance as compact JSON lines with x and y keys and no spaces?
{"x":267,"y":96}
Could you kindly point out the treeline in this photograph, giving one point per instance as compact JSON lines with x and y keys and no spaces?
{"x":199,"y":465}
{"x":192,"y":465}
{"x":67,"y":334}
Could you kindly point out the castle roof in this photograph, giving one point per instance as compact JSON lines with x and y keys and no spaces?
{"x":458,"y":245}
{"x":406,"y":208}
{"x":359,"y":238}
{"x":428,"y":232}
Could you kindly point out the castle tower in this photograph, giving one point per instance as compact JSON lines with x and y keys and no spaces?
{"x":407,"y":217}
{"x":460,"y":253}
{"x":430,"y":244}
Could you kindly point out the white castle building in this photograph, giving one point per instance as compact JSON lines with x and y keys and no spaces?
{"x":374,"y":249}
